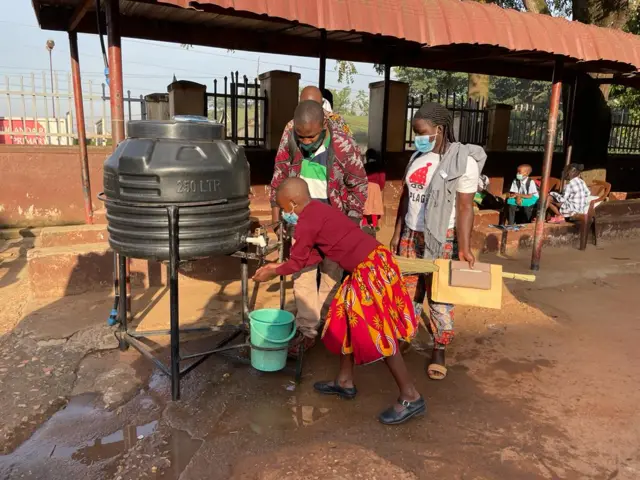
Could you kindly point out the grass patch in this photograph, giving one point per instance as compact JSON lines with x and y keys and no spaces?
{"x":357,"y":123}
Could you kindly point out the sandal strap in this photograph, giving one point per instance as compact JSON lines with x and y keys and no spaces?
{"x":406,"y":403}
{"x":434,"y":367}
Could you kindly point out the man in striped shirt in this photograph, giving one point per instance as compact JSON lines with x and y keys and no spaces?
{"x":331,"y":164}
{"x":314,"y":167}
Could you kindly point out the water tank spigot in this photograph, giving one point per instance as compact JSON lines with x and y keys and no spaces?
{"x":259,"y":240}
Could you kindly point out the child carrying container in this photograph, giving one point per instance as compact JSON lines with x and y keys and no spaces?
{"x":372,"y":311}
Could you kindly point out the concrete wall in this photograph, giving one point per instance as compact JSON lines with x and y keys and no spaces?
{"x":40,"y":186}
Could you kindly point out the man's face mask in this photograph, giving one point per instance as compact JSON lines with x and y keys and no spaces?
{"x":310,"y":148}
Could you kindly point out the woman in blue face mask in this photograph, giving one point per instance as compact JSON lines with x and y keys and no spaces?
{"x":435,"y":215}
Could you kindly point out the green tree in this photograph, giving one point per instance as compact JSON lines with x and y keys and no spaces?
{"x":512,"y":91}
{"x":627,"y":97}
{"x":431,"y":82}
{"x":361,"y":104}
{"x":346,"y":71}
{"x":342,"y":101}
{"x":515,"y":91}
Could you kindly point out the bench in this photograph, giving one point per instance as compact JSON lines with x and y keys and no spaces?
{"x":618,"y":218}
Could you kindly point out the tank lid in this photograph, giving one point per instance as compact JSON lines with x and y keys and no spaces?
{"x":188,"y":128}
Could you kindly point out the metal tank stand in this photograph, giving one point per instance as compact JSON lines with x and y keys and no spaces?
{"x":131,"y":337}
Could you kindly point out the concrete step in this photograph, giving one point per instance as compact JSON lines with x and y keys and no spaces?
{"x":68,"y":270}
{"x":484,"y":218}
{"x":491,"y":240}
{"x":15,"y":233}
{"x":100,"y":216}
{"x":72,"y":235}
{"x":75,"y":269}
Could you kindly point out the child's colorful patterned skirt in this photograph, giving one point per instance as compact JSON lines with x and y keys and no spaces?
{"x":371,"y":312}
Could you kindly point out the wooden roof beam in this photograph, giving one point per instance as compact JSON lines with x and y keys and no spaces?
{"x":79,"y":13}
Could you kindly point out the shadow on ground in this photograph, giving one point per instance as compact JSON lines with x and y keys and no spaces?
{"x":60,"y":368}
{"x":528,"y":394}
{"x":13,"y":257}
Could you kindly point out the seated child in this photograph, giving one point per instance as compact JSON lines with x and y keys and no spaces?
{"x":374,"y":206}
{"x":573,"y":200}
{"x":484,"y":199}
{"x":372,"y":311}
{"x":483,"y":185}
{"x":523,"y":196}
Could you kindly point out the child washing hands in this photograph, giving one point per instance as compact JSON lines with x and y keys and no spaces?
{"x":372,"y":311}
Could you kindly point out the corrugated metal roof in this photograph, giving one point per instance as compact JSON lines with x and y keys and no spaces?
{"x":440,"y":23}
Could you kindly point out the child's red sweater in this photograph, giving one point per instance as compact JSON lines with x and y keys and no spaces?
{"x":324,"y":231}
{"x":377,"y":177}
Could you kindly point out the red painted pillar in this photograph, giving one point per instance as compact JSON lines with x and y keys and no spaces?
{"x":115,"y":71}
{"x":82,"y":134}
{"x":116,"y":93}
{"x":552,"y":126}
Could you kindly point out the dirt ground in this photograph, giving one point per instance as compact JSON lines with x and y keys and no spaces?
{"x":545,"y":388}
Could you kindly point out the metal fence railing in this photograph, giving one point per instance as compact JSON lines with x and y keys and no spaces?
{"x":241,"y":108}
{"x":469,"y":117}
{"x":527,"y":124}
{"x":625,"y":132}
{"x":528,"y":128}
{"x":32,"y":114}
{"x":39,"y":110}
{"x":135,"y":108}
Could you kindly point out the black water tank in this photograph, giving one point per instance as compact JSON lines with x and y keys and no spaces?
{"x":183,"y":162}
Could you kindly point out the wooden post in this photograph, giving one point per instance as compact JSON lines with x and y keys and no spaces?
{"x":323,"y":59}
{"x":552,"y":126}
{"x":567,"y":141}
{"x":385,"y":108}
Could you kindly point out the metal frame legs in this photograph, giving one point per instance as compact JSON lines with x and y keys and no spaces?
{"x":128,"y":337}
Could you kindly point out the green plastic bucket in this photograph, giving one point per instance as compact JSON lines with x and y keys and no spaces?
{"x":270,"y":328}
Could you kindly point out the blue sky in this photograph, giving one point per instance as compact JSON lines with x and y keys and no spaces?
{"x":148,"y":66}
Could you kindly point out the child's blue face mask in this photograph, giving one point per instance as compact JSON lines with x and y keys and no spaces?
{"x":425,"y":143}
{"x":290,"y":217}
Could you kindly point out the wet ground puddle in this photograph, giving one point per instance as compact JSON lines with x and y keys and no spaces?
{"x":84,"y":439}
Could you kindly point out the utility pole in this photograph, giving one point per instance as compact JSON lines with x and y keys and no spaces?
{"x":49,"y":45}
